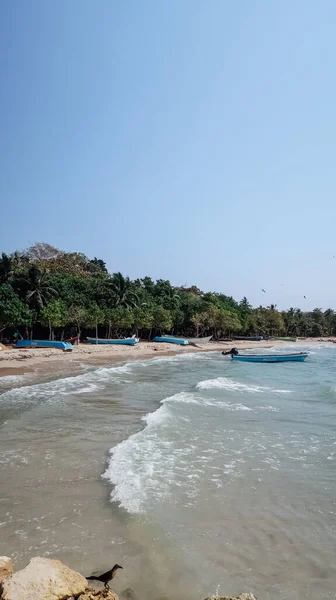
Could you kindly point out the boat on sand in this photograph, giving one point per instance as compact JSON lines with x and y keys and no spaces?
{"x":170,"y":340}
{"x":123,"y":341}
{"x":66,"y":346}
{"x":192,"y":340}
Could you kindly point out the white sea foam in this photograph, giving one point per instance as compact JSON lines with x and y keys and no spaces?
{"x":89,"y":381}
{"x":151,"y":462}
{"x":225,"y":383}
{"x":135,"y":461}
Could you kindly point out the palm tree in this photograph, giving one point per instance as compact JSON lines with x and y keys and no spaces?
{"x":39,"y":290}
{"x":6,"y":268}
{"x":121,"y":287}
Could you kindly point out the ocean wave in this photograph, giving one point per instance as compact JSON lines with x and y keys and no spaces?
{"x":145,"y":467}
{"x":134,"y":463}
{"x":224,"y":383}
{"x":85,"y":382}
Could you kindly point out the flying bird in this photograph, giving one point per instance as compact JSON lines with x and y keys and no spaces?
{"x":106,"y":577}
{"x":305,"y":297}
{"x":263,"y":291}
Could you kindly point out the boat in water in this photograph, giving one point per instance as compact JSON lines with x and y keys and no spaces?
{"x":271,"y":358}
{"x":123,"y":341}
{"x":66,"y":346}
{"x":170,"y":340}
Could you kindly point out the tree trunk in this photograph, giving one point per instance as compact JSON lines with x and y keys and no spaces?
{"x":50,"y":331}
{"x":150,"y":334}
{"x":62,"y":335}
{"x":96,"y":334}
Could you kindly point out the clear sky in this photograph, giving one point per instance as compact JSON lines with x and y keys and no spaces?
{"x":190,"y":140}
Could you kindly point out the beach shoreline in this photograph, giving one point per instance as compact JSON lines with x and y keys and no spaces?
{"x":156,"y":420}
{"x":18,"y":361}
{"x":15,"y":361}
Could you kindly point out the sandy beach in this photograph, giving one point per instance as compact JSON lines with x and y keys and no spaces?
{"x":20,"y":361}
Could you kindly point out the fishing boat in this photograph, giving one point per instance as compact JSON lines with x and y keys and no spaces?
{"x":283,"y":339}
{"x":192,"y":340}
{"x":73,"y":340}
{"x":271,"y":358}
{"x":66,"y":346}
{"x":123,"y":341}
{"x":247,"y":338}
{"x":170,"y":340}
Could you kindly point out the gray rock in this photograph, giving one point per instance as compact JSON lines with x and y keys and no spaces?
{"x":244,"y":596}
{"x":43,"y":579}
{"x":6,"y":567}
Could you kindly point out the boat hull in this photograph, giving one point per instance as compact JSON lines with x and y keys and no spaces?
{"x":242,"y":338}
{"x":193,"y":340}
{"x":276,"y":358}
{"x":171,"y":340}
{"x":122,"y":342}
{"x":284,"y":339}
{"x":44,"y":344}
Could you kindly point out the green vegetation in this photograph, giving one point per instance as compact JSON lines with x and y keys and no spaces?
{"x":44,"y":291}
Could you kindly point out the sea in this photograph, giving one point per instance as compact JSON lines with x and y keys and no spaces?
{"x":199,"y":475}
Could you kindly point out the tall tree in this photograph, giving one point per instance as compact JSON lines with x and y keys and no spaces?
{"x":77,"y":315}
{"x":162,"y":319}
{"x":39,"y":290}
{"x":6,"y":268}
{"x":117,"y":318}
{"x":13,"y":312}
{"x":54,"y":315}
{"x":94,"y":317}
{"x":142,"y":318}
{"x":123,"y":291}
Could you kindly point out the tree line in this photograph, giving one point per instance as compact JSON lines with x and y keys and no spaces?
{"x":45,"y":291}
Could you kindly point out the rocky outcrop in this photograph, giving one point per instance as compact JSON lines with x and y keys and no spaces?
{"x":43,"y":579}
{"x":47,"y":579}
{"x":6,"y":567}
{"x":244,"y":596}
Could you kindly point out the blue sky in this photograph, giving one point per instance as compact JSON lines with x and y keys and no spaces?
{"x":187,"y":140}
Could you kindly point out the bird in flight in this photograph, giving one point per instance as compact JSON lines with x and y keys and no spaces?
{"x":305,"y":297}
{"x":263,"y":291}
{"x":106,"y":577}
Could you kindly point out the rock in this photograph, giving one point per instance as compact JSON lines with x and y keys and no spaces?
{"x":129,"y":594}
{"x":90,"y":594}
{"x":6,"y":567}
{"x":244,"y":596}
{"x":43,"y":579}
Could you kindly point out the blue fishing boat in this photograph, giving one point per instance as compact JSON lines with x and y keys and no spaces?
{"x":192,"y":340}
{"x":44,"y":344}
{"x":271,"y":358}
{"x":122,"y":342}
{"x":170,"y":340}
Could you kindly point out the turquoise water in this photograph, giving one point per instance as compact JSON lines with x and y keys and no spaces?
{"x":220,"y":474}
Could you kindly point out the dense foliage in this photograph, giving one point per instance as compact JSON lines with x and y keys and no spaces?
{"x":44,"y":290}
